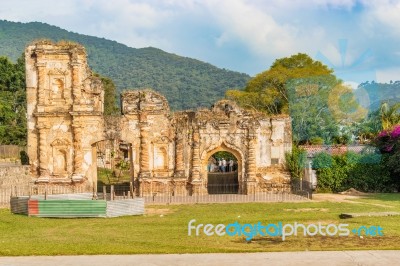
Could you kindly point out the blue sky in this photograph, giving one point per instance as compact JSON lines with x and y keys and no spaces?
{"x":359,"y":39}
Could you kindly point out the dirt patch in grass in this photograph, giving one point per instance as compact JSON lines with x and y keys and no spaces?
{"x":335,"y":197}
{"x":307,"y":210}
{"x":154,"y":211}
{"x":347,"y":199}
{"x":353,"y":192}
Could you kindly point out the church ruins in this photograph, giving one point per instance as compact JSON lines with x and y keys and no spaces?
{"x":65,"y":121}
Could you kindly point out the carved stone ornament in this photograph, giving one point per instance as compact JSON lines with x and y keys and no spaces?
{"x":60,"y":142}
{"x":58,"y":72}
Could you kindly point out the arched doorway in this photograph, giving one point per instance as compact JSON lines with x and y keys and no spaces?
{"x":222,"y":173}
{"x":113,"y":164}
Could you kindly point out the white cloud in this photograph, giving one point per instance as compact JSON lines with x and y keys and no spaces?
{"x":133,"y":23}
{"x":388,"y":74}
{"x":253,"y":27}
{"x":26,"y":10}
{"x":384,"y":15}
{"x":261,"y":30}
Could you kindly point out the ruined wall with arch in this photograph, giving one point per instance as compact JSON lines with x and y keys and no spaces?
{"x":65,"y":121}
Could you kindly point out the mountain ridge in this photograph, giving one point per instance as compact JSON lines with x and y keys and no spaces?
{"x":187,"y":83}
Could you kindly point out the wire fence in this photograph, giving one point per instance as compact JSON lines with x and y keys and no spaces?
{"x":226,"y":193}
{"x":224,"y":198}
{"x":29,"y":190}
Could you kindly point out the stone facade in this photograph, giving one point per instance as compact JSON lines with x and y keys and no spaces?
{"x":65,"y":112}
{"x":65,"y":121}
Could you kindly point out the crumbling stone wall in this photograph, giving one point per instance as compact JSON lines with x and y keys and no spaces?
{"x":168,"y":150}
{"x":65,"y":112}
{"x":17,"y":175}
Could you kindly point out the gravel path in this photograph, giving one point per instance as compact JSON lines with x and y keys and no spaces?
{"x":308,"y":258}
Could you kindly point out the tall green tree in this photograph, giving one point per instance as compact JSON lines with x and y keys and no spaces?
{"x":318,"y":102}
{"x":309,"y":109}
{"x":267,"y":91}
{"x":110,"y":96}
{"x":12,"y":102}
{"x":306,"y":89}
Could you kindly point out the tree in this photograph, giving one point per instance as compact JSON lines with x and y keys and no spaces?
{"x":296,"y":163}
{"x":306,"y":89}
{"x":224,"y":154}
{"x":12,"y":102}
{"x":390,"y":115}
{"x":110,"y":96}
{"x":309,"y":108}
{"x":366,"y":129}
{"x":268,"y":89}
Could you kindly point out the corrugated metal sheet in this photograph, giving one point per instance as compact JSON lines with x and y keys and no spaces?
{"x":75,"y":205}
{"x":19,"y":205}
{"x":67,"y":208}
{"x":75,"y":196}
{"x":117,"y":208}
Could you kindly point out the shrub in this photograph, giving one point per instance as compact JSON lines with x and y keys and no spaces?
{"x":322,"y":160}
{"x":295,"y":163}
{"x":317,"y":141}
{"x":24,"y":158}
{"x":364,"y":172}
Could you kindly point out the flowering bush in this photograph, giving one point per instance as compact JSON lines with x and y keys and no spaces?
{"x":395,"y":132}
{"x":388,"y":143}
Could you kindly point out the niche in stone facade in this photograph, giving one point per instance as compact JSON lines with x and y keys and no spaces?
{"x":160,"y":157}
{"x":57,"y":89}
{"x":60,"y":148}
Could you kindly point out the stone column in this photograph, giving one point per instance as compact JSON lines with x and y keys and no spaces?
{"x":252,"y":159}
{"x":179,"y":164}
{"x":76,"y":92}
{"x":144,"y":147}
{"x":41,"y":83}
{"x":44,"y":174}
{"x":196,"y":155}
{"x":78,"y":153}
{"x":251,"y":163}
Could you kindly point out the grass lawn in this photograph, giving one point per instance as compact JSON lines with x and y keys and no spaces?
{"x":164,"y":229}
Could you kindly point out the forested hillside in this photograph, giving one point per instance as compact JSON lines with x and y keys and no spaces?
{"x":381,"y":92}
{"x":187,"y":83}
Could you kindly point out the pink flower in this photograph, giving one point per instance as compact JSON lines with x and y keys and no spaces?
{"x":389,"y":148}
{"x":383,"y":133}
{"x":395,"y":132}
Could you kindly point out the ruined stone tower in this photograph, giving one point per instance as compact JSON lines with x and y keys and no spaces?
{"x":65,"y":112}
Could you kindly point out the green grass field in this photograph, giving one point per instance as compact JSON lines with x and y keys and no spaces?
{"x":164,"y":229}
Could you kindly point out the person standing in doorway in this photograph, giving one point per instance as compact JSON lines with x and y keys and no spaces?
{"x":231,"y":165}
{"x":223,"y":165}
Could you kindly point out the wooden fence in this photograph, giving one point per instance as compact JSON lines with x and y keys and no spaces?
{"x":11,"y":151}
